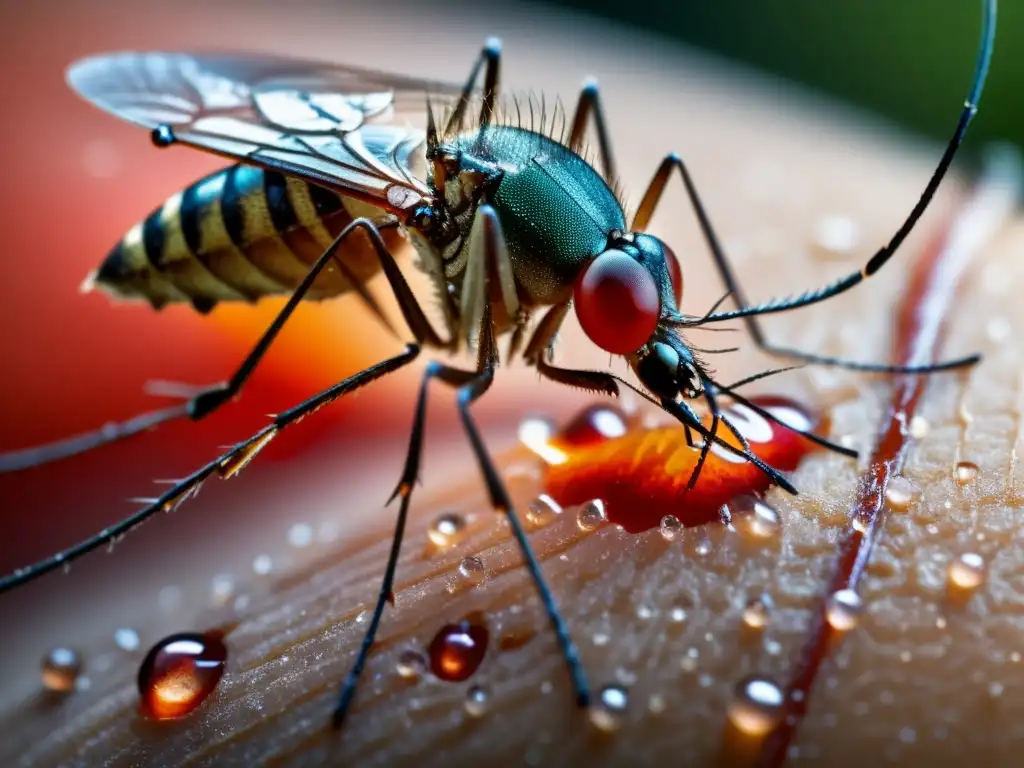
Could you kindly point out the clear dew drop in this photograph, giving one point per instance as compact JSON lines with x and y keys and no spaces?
{"x":126,"y":639}
{"x":542,"y":511}
{"x":702,"y":547}
{"x":477,"y":701}
{"x":965,"y":473}
{"x":300,"y":535}
{"x":60,"y":668}
{"x":411,"y":665}
{"x":262,"y":565}
{"x":590,"y":515}
{"x":608,"y":712}
{"x":222,"y":589}
{"x":757,"y":612}
{"x":677,"y":615}
{"x":967,"y":572}
{"x":919,"y":427}
{"x":670,"y":527}
{"x":447,"y":529}
{"x":756,"y":706}
{"x":835,"y":236}
{"x":755,"y":518}
{"x":843,"y":609}
{"x":901,"y":493}
{"x":472,"y":570}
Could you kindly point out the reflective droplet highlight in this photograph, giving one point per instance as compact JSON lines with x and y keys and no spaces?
{"x":477,"y":701}
{"x":835,"y":236}
{"x":670,"y":527}
{"x":609,"y":710}
{"x":843,"y":609}
{"x":755,"y":518}
{"x":965,"y":473}
{"x":60,"y":668}
{"x":472,"y":570}
{"x":411,"y":665}
{"x":300,"y":535}
{"x":457,"y":650}
{"x":590,"y":515}
{"x":179,"y":673}
{"x":222,"y":589}
{"x":965,"y":574}
{"x":901,"y":493}
{"x":262,"y":565}
{"x":757,"y":612}
{"x":756,"y":706}
{"x":592,"y":426}
{"x":126,"y":639}
{"x":542,"y":511}
{"x":447,"y":529}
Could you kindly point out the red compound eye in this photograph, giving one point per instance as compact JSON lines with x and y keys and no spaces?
{"x":617,"y":302}
{"x":675,"y":272}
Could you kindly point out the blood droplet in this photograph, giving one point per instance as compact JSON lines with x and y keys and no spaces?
{"x":179,"y":673}
{"x":592,"y":426}
{"x":641,"y":476}
{"x":458,"y":649}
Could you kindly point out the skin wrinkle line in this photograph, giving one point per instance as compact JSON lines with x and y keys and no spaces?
{"x":920,"y":326}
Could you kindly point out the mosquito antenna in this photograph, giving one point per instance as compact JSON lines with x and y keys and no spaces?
{"x":758,"y":377}
{"x":876,"y":262}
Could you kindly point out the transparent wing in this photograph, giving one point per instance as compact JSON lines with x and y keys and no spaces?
{"x":342,"y":127}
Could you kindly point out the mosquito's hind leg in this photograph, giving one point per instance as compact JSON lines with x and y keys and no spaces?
{"x":589,"y":104}
{"x":205,"y":400}
{"x":490,"y":60}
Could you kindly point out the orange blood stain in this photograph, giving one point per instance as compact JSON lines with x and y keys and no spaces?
{"x":179,"y":673}
{"x":641,"y":476}
{"x":457,"y":650}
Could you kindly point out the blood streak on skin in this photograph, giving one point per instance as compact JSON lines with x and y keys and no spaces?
{"x":920,"y":327}
{"x":641,"y":476}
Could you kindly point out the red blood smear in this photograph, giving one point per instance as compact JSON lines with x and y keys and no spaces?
{"x":641,"y":477}
{"x":457,"y":650}
{"x":179,"y":673}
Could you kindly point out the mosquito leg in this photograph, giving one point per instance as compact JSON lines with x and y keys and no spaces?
{"x":209,"y":399}
{"x":490,"y":60}
{"x":589,"y":103}
{"x":226,"y":465}
{"x":749,"y":312}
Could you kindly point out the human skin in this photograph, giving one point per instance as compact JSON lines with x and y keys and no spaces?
{"x":921,"y":679}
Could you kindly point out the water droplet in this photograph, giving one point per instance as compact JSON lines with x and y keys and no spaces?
{"x":966,"y":573}
{"x":222,"y":588}
{"x":411,"y":665}
{"x":592,"y":426}
{"x":756,"y":706}
{"x":457,"y":650}
{"x":670,"y":527}
{"x":656,"y":704}
{"x":702,"y":546}
{"x":677,"y":615}
{"x":757,"y":612}
{"x":535,"y":433}
{"x":590,"y":515}
{"x":60,"y":668}
{"x":126,"y":639}
{"x":472,"y":570}
{"x":901,"y":493}
{"x":998,"y":329}
{"x":835,"y":236}
{"x":447,"y":529}
{"x":262,"y":565}
{"x":300,"y":535}
{"x":179,"y":673}
{"x":919,"y":427}
{"x":542,"y":511}
{"x":645,"y":612}
{"x":476,"y":702}
{"x":843,"y":609}
{"x":754,"y":517}
{"x":608,"y":712}
{"x":965,"y":473}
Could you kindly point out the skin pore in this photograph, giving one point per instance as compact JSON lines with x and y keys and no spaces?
{"x":922,"y":678}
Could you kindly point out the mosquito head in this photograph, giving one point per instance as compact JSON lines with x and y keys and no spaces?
{"x":622,"y":298}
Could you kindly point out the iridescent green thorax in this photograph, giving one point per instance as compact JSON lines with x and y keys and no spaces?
{"x":556,"y":210}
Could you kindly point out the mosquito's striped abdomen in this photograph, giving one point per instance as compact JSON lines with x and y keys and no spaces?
{"x":239,"y":234}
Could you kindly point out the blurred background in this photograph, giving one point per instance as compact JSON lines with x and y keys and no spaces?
{"x":76,"y":179}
